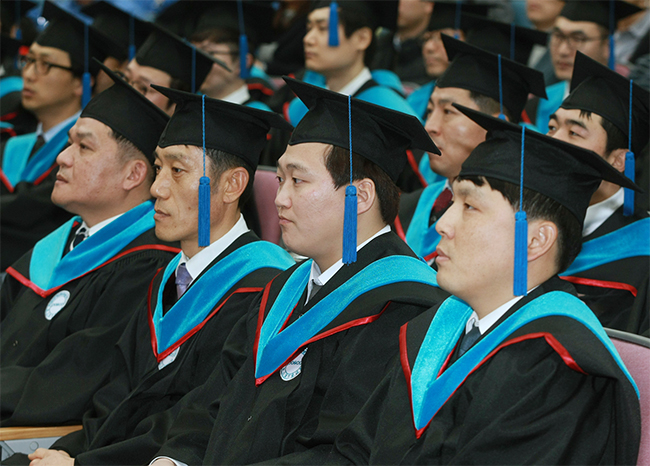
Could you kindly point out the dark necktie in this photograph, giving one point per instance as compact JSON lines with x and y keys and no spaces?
{"x":183,"y":280}
{"x":468,"y":340}
{"x":440,"y":206}
{"x":82,"y":234}
{"x":314,"y":289}
{"x":40,"y":142}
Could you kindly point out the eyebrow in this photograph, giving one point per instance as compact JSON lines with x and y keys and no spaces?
{"x":316,"y":21}
{"x":465,"y":190}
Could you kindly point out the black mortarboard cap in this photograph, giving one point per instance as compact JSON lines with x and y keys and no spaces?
{"x":236,"y":129}
{"x":13,"y":12}
{"x":477,"y":70}
{"x":126,"y":30}
{"x":9,"y":46}
{"x":379,"y":134}
{"x":596,"y":88}
{"x":128,"y":113}
{"x":450,"y":14}
{"x":66,"y":31}
{"x":564,"y":172}
{"x":598,"y":11}
{"x":166,"y":51}
{"x":511,"y":41}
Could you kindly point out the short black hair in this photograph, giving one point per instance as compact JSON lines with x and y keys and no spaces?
{"x":353,"y":20}
{"x":222,"y":161}
{"x":538,"y":206}
{"x":128,"y":151}
{"x":219,"y":36}
{"x":615,"y":137}
{"x":490,"y":106}
{"x":337,"y":162}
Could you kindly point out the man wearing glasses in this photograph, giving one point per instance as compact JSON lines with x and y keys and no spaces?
{"x":52,"y":89}
{"x":583,"y":26}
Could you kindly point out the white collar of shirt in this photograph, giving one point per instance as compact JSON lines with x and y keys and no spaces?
{"x":323,"y":277}
{"x":95,"y":228}
{"x":598,"y":213}
{"x":489,"y":320}
{"x":50,"y":133}
{"x":240,"y":96}
{"x":354,"y":85}
{"x":202,"y":259}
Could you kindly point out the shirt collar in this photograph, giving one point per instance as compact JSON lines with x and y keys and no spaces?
{"x":50,"y":133}
{"x":323,"y":277}
{"x":95,"y":228}
{"x":240,"y":96}
{"x":489,"y":320}
{"x":203,"y":258}
{"x":598,"y":213}
{"x":356,"y":83}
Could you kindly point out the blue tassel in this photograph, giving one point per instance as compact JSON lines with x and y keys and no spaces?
{"x":612,"y":58}
{"x":350,"y":226}
{"x":87,"y":87}
{"x":243,"y":53}
{"x":131,"y":52}
{"x":19,"y":34}
{"x":334,"y":25}
{"x":131,"y":37}
{"x":628,"y":203}
{"x":204,"y":212}
{"x":501,"y":115}
{"x":521,"y":254}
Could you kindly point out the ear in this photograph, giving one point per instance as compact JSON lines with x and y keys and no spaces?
{"x":77,"y":85}
{"x":542,"y":236}
{"x":366,"y":194}
{"x":234,"y":182}
{"x":362,"y":38}
{"x":617,"y":159}
{"x":137,"y":172}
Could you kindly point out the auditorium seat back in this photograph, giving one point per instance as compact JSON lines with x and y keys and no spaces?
{"x":265,"y":188}
{"x":635,"y":352}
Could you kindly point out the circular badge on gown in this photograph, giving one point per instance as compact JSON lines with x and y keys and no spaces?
{"x":293,"y":368}
{"x":56,"y":304}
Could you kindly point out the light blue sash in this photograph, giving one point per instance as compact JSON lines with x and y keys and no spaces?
{"x":276,"y":346}
{"x":18,"y":166}
{"x":421,"y":237}
{"x":201,"y":297}
{"x":546,"y":107}
{"x":10,"y":84}
{"x":430,"y":392}
{"x":419,"y":98}
{"x":47,"y":269}
{"x":630,"y":241}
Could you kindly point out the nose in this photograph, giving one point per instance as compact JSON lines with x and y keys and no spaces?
{"x":432,"y":125}
{"x":64,"y":159}
{"x":282,"y":199}
{"x":444,"y":225}
{"x":160,"y":187}
{"x":309,"y":36}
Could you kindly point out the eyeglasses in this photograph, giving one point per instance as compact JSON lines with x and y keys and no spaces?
{"x":42,"y":67}
{"x":575,"y":40}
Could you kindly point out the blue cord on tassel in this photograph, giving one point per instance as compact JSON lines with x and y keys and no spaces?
{"x":501,"y":115}
{"x":350,"y":217}
{"x":204,"y":194}
{"x":131,"y":37}
{"x":194,"y":71}
{"x":86,"y":81}
{"x":243,"y":43}
{"x":459,"y":6}
{"x":612,"y":27}
{"x":334,"y":25}
{"x":630,"y":165}
{"x":512,"y":41}
{"x":520,"y":286}
{"x":19,"y":32}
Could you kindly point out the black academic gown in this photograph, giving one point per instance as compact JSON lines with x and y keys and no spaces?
{"x":246,"y":423}
{"x":50,"y":369}
{"x":522,"y":405}
{"x":131,"y":414}
{"x":615,"y":307}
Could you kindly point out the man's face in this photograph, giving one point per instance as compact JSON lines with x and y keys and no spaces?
{"x":219,"y":79}
{"x":542,"y":13}
{"x":567,"y":37}
{"x":309,"y":207}
{"x":319,"y":56}
{"x":434,"y":53}
{"x":91,"y":170}
{"x":43,"y":93}
{"x":454,"y":134}
{"x":140,"y":77}
{"x":102,"y":81}
{"x":476,"y":250}
{"x":176,"y":190}
{"x":588,"y":133}
{"x":412,"y":13}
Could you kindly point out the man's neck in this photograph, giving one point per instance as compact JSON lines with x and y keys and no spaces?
{"x":218,"y":228}
{"x":49,"y":118}
{"x":226,"y":90}
{"x":414,"y":31}
{"x":338,"y":80}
